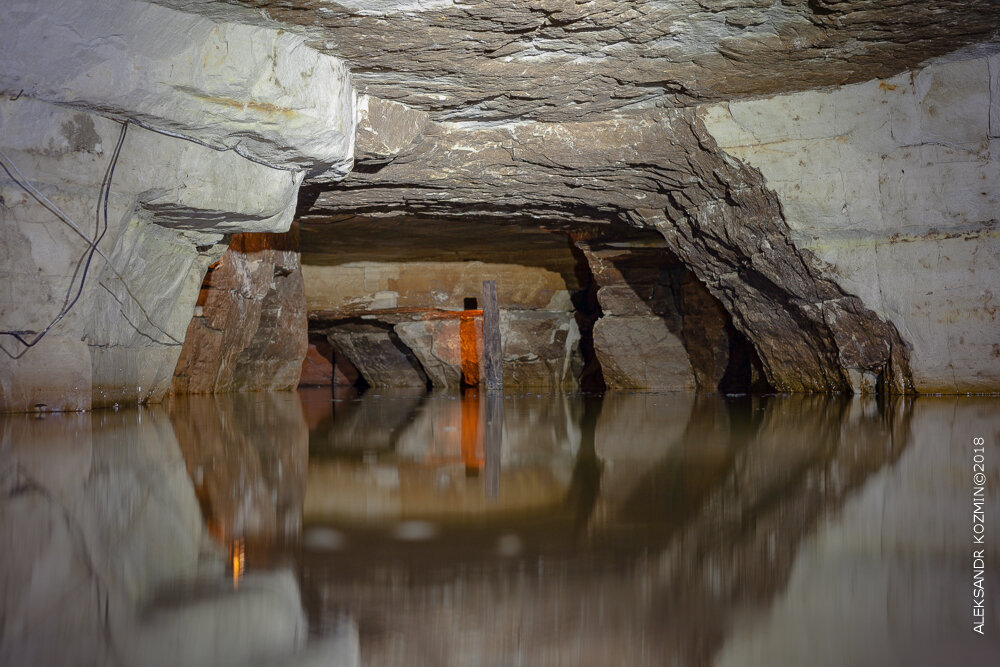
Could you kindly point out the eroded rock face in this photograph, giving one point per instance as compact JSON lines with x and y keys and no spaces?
{"x":640,"y":352}
{"x":254,"y":90}
{"x":661,"y":171}
{"x":638,"y":340}
{"x":893,"y":185}
{"x":557,"y":60}
{"x":419,"y":281}
{"x":249,"y":329}
{"x":378,"y":354}
{"x":148,"y":132}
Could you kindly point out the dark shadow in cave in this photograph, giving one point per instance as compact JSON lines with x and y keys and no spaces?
{"x":588,"y":311}
{"x":640,"y":276}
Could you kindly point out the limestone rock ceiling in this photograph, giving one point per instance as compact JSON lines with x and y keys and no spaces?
{"x":562,"y":110}
{"x":558,"y":60}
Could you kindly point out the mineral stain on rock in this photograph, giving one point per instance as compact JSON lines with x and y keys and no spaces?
{"x":81,"y":135}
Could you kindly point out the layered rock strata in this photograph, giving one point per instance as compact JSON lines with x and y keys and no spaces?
{"x":662,"y":171}
{"x":659,"y":327}
{"x":513,"y":127}
{"x":399,"y":299}
{"x":893,"y":185}
{"x":134,"y":137}
{"x":561,"y":60}
{"x":249,"y":327}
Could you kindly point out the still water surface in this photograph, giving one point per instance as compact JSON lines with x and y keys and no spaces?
{"x":531,"y":529}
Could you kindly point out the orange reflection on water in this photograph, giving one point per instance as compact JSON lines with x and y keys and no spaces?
{"x":238,"y":559}
{"x":471,"y":450}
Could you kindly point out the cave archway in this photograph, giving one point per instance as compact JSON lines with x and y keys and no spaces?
{"x":585,"y":305}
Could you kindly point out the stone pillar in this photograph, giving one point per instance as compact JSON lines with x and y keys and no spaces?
{"x":249,"y":329}
{"x":639,"y":339}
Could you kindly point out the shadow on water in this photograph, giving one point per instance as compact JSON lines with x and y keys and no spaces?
{"x":639,"y":529}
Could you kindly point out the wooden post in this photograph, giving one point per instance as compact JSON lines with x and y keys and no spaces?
{"x":492,"y":348}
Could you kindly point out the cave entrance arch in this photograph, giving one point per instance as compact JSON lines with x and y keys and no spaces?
{"x":586,"y":305}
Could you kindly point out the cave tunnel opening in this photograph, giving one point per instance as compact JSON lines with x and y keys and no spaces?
{"x":583,"y":307}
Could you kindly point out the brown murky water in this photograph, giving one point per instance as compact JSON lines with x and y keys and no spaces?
{"x":436,"y":529}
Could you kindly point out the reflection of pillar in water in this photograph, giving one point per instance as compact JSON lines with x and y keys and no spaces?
{"x":470,"y":431}
{"x":238,"y":559}
{"x":492,"y":442}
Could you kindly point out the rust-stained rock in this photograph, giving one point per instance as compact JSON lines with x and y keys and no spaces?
{"x":317,"y":370}
{"x":249,"y":331}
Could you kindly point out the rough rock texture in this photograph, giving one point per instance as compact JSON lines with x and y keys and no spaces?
{"x":637,"y":340}
{"x":423,"y":278}
{"x":894,"y":185}
{"x":378,"y":354}
{"x":641,"y":352}
{"x":556,"y":60}
{"x":659,"y":326}
{"x":438,"y":345}
{"x":660,"y":170}
{"x":561,"y":110}
{"x":540,"y":349}
{"x":558,"y":111}
{"x":249,"y":328}
{"x":317,"y":369}
{"x":109,"y":324}
{"x":257,"y":91}
{"x":359,"y":288}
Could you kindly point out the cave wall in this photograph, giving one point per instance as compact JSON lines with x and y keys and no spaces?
{"x":894,"y":185}
{"x":249,"y":330}
{"x":805,"y":214}
{"x":209,"y":133}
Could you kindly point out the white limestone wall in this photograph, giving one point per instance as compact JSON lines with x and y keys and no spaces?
{"x":255,"y":90}
{"x":224,"y":123}
{"x":895,"y":186}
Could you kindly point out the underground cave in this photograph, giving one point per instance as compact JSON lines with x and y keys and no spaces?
{"x":499,"y":332}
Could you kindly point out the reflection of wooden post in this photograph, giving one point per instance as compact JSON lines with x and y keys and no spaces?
{"x":492,"y":349}
{"x":492,"y":442}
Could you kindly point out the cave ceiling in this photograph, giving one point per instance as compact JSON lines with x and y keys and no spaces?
{"x":562,"y":60}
